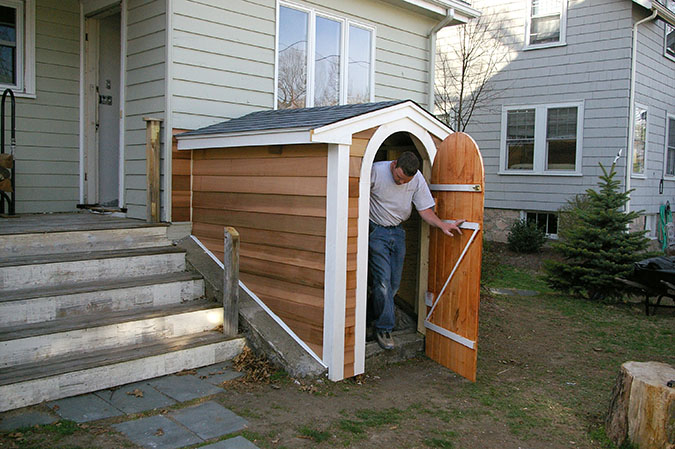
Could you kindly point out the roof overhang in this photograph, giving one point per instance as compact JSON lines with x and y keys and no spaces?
{"x":438,"y":9}
{"x":340,"y":132}
{"x":663,"y":13}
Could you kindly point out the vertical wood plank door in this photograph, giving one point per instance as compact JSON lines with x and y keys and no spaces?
{"x":458,"y":184}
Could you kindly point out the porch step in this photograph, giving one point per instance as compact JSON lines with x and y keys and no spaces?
{"x":34,"y":305}
{"x":40,"y":341}
{"x":36,"y":243}
{"x":58,"y":269}
{"x":70,"y":375}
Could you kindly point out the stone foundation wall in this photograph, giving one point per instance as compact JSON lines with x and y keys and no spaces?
{"x":496,"y":223}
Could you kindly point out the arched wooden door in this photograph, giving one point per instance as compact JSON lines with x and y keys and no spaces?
{"x":457,"y":183}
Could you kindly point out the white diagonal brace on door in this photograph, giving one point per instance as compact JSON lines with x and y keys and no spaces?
{"x":434,"y":327}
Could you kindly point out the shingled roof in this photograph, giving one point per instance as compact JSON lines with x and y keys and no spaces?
{"x":306,"y":118}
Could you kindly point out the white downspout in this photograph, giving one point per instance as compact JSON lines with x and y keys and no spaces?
{"x":450,"y":16}
{"x":631,"y":104}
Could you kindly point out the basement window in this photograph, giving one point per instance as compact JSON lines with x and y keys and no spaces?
{"x":547,"y":221}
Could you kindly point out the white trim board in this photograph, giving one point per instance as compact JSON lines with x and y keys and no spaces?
{"x":428,"y":151}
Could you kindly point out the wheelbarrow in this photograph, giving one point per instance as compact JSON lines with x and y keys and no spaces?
{"x":655,"y":278}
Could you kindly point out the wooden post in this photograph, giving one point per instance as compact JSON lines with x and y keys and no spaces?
{"x":231,"y":283}
{"x":152,"y":156}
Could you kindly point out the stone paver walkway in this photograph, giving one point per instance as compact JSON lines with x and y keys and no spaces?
{"x":177,"y":428}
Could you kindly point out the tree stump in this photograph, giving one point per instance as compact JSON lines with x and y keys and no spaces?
{"x":642,"y":410}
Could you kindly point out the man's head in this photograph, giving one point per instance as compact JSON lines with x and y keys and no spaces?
{"x":404,"y":168}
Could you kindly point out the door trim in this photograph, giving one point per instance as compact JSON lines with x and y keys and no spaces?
{"x":89,"y":169}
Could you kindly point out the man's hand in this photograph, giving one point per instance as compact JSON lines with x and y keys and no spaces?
{"x":449,"y":228}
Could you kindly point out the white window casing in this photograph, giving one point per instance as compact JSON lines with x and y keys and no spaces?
{"x":24,"y":45}
{"x":310,"y":68}
{"x":545,"y":24}
{"x":541,"y":163}
{"x":640,"y":141}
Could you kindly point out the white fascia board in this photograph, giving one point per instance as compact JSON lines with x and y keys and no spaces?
{"x":246,"y":139}
{"x":342,"y":131}
{"x":443,"y":7}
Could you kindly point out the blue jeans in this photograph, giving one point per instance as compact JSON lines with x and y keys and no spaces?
{"x":386,"y":251}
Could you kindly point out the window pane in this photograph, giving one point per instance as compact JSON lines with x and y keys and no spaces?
{"x":358,"y":85}
{"x":670,"y":161}
{"x":670,"y":40}
{"x":292,"y":63}
{"x":545,"y":29}
{"x":561,"y":139}
{"x":7,"y":45}
{"x":520,"y":139}
{"x":639,"y":140}
{"x":552,"y":224}
{"x":546,"y":7}
{"x":327,"y":62}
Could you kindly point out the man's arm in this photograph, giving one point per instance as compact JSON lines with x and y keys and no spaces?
{"x":430,"y":217}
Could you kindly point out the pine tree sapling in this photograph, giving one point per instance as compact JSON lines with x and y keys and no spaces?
{"x":525,"y":237}
{"x":595,"y":243}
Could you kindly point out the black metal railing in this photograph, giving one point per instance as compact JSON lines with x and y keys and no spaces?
{"x":10,"y":197}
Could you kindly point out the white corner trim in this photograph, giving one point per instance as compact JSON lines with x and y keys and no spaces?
{"x":168,"y":115}
{"x":274,"y":316}
{"x":259,"y":138}
{"x":81,"y":104}
{"x":335,"y":282}
{"x":121,"y":198}
{"x":374,"y":144}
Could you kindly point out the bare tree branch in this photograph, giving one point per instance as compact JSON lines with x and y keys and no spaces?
{"x":464,"y":71}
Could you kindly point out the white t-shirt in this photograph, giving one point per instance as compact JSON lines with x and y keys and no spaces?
{"x":391,"y":203}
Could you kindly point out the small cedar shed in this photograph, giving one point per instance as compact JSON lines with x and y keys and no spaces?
{"x":295,"y":183}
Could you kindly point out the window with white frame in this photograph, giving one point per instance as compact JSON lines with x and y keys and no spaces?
{"x":670,"y":146}
{"x":639,"y":140}
{"x":546,"y":221}
{"x":17,"y":46}
{"x":322,"y":60}
{"x":542,"y":139}
{"x":546,"y":22}
{"x":669,"y":42}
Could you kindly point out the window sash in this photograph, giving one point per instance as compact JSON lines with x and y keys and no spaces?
{"x":639,"y":140}
{"x":547,"y":142}
{"x":330,"y":75}
{"x":670,"y":147}
{"x":292,"y":56}
{"x":546,"y":22}
{"x":11,"y":48}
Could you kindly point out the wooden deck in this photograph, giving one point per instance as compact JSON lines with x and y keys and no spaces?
{"x":62,"y":222}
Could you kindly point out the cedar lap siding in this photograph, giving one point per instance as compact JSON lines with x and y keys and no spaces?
{"x":276,"y":196}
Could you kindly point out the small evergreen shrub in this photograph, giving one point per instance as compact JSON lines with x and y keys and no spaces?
{"x":595,"y":243}
{"x":526,"y":237}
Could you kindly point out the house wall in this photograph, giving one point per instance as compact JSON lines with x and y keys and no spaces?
{"x":654,"y":88}
{"x":145,"y":87}
{"x":47,"y":126}
{"x":593,"y":67}
{"x":224,"y":55}
{"x":276,"y":198}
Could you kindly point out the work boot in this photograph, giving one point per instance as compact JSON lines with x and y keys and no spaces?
{"x":385,"y":340}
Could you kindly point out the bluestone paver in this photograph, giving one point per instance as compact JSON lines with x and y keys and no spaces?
{"x":136,"y":397}
{"x":84,"y":408}
{"x":25,"y":419}
{"x":233,"y":443}
{"x":157,"y":432}
{"x":219,"y":373}
{"x":209,"y":420}
{"x":184,"y":388}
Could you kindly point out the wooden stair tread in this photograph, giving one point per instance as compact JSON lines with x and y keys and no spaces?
{"x":67,"y":324}
{"x":87,"y":255}
{"x":94,"y":286}
{"x":71,"y":363}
